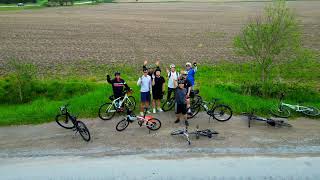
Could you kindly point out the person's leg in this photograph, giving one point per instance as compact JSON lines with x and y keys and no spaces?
{"x":178,"y":112}
{"x":143,"y":100}
{"x":169,"y":93}
{"x":184,"y":114}
{"x":158,"y":101}
{"x":147,"y":103}
{"x":154,"y":105}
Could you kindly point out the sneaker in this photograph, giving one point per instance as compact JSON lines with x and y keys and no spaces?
{"x":141,"y":114}
{"x":154,"y":110}
{"x":160,"y":110}
{"x":186,"y":123}
{"x":177,"y":121}
{"x":148,"y":112}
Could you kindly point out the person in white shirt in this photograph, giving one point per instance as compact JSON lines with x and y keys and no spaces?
{"x":146,"y":84}
{"x":173,"y":76}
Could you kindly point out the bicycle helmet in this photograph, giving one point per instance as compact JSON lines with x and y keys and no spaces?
{"x":172,"y":66}
{"x":188,"y":64}
{"x":117,"y":73}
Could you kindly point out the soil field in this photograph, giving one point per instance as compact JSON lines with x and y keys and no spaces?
{"x":131,"y":32}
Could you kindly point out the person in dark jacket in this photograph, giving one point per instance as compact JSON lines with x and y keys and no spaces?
{"x":118,"y":85}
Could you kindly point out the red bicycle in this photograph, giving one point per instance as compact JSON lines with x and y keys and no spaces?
{"x":150,"y":122}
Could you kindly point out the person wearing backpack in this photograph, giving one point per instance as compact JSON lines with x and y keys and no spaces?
{"x":173,"y":76}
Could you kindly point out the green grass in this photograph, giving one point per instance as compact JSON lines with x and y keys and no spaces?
{"x":300,"y":80}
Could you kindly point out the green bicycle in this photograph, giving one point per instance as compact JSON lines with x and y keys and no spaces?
{"x":284,"y":110}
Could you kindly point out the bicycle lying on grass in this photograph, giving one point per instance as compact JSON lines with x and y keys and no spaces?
{"x":108,"y":110}
{"x":268,"y":121}
{"x":205,"y":132}
{"x":283,"y":109}
{"x":150,"y":122}
{"x":220,"y":112}
{"x":63,"y":120}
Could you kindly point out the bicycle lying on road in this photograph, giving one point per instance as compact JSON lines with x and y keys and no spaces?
{"x":150,"y":122}
{"x":63,"y":120}
{"x":220,"y":112}
{"x":283,"y":109}
{"x":108,"y":110}
{"x":268,"y":121}
{"x":169,"y":103}
{"x":205,"y":132}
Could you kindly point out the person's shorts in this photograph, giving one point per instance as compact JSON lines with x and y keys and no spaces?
{"x":145,"y":96}
{"x":181,"y":109}
{"x":157,"y":95}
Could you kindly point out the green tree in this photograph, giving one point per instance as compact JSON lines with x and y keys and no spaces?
{"x":270,"y":38}
{"x":22,"y":75}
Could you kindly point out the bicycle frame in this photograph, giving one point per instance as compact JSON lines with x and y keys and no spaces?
{"x":296,"y":108}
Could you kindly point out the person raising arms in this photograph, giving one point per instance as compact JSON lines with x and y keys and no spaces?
{"x":146,"y":84}
{"x":117,"y":85}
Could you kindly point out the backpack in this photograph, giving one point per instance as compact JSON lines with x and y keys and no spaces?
{"x":176,"y":74}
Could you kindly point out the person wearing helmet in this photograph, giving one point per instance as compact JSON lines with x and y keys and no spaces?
{"x":191,"y":72}
{"x":180,"y":102}
{"x":173,"y":76}
{"x":117,"y":85}
{"x":188,"y":86}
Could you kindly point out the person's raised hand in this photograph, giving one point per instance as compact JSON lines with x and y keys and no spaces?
{"x":145,"y":62}
{"x":157,"y":62}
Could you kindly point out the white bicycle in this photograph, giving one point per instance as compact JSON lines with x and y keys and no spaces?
{"x":283,"y":109}
{"x":119,"y":105}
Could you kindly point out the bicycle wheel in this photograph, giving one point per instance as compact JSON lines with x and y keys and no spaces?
{"x":107,"y":111}
{"x":122,"y":125}
{"x":177,"y":132}
{"x":222,"y":113}
{"x":168,"y":105}
{"x":281,"y":111}
{"x":83,"y":130}
{"x":153,"y":124}
{"x":130,"y":103}
{"x":311,"y":111}
{"x":64,"y":121}
{"x":194,"y":110}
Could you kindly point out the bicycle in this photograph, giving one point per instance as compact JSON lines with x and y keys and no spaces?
{"x":108,"y":110}
{"x":205,"y":132}
{"x":169,"y":103}
{"x":283,"y":109}
{"x":220,"y":112}
{"x":268,"y":121}
{"x":150,"y":122}
{"x":63,"y":118}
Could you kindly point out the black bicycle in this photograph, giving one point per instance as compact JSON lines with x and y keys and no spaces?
{"x":205,"y":132}
{"x":63,"y":119}
{"x":169,"y":103}
{"x":268,"y":121}
{"x":218,"y":111}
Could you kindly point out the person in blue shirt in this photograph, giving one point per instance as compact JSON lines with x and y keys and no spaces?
{"x":191,"y":72}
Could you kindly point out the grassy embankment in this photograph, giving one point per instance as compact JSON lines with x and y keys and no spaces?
{"x":84,"y":89}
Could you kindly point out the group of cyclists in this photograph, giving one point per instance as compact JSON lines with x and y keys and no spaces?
{"x":180,"y":85}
